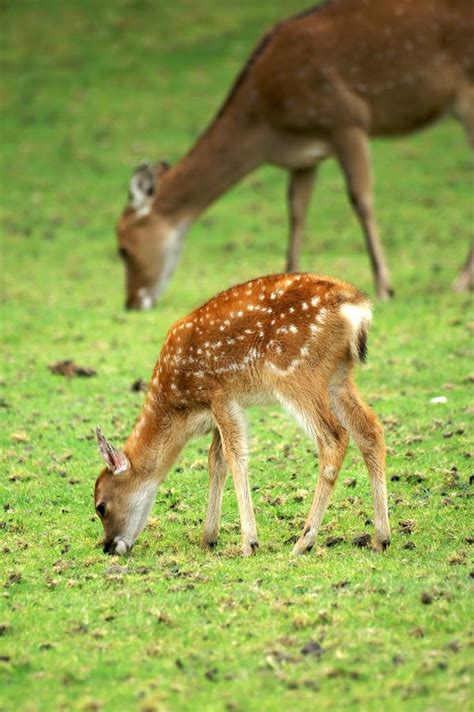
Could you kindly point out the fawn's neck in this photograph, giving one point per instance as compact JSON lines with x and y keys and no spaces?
{"x":155,"y":442}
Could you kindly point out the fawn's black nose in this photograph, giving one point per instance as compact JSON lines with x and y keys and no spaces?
{"x":108,"y":547}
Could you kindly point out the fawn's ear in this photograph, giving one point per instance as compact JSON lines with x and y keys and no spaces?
{"x":144,"y":185}
{"x":115,"y":460}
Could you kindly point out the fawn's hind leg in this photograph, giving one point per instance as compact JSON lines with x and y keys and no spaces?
{"x":363,"y":426}
{"x":332,"y":440}
{"x":217,"y":478}
{"x":332,"y":443}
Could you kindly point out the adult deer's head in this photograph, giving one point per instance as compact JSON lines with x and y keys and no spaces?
{"x":122,"y":500}
{"x":147,"y":241}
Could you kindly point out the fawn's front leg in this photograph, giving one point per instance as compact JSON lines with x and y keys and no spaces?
{"x":217,"y":478}
{"x":231,"y":423}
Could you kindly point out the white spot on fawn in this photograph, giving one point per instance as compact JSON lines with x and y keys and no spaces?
{"x":284,"y":371}
{"x":321,"y":316}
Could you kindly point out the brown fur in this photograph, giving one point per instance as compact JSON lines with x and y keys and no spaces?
{"x":319,"y":84}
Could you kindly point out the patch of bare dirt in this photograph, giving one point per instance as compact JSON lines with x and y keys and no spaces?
{"x":334,"y":541}
{"x":363,"y":541}
{"x":407,"y":526}
{"x":312,"y":648}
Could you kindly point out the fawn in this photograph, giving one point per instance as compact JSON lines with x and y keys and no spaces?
{"x":290,"y":338}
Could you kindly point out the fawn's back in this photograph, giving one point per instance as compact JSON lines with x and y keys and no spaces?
{"x":248,"y":338}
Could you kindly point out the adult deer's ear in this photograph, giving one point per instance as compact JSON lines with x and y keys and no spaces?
{"x":115,"y":460}
{"x":161,"y":167}
{"x":144,"y":185}
{"x":142,"y":188}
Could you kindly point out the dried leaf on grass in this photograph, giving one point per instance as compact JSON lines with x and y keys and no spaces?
{"x":69,"y":369}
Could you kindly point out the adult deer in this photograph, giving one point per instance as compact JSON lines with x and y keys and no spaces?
{"x":320,"y":84}
{"x":292,"y":339}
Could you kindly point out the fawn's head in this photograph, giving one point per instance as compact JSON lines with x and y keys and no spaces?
{"x":122,"y":501}
{"x":147,"y":243}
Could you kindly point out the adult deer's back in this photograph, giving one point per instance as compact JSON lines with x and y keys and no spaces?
{"x":320,"y":84}
{"x":389,"y":68}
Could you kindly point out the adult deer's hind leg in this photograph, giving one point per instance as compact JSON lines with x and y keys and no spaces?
{"x":217,"y":478}
{"x":464,"y":111}
{"x":299,"y":193}
{"x":352,"y":150}
{"x":360,"y":421}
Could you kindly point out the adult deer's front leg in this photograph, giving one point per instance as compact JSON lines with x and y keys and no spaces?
{"x":231,"y":423}
{"x":465,"y":280}
{"x":352,"y":150}
{"x":299,"y":193}
{"x":217,"y":478}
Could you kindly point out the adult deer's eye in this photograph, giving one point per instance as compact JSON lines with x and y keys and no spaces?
{"x":100,"y":509}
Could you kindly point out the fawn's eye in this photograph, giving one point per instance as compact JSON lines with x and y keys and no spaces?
{"x":123,"y":253}
{"x":100,"y":509}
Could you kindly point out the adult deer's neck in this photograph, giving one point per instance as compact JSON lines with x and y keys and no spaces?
{"x":230,"y":148}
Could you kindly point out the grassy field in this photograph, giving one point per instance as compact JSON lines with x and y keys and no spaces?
{"x":88,"y":90}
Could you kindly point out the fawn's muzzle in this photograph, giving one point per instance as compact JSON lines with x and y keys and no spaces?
{"x":116,"y":546}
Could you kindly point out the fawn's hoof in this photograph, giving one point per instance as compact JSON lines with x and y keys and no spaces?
{"x":208,"y":543}
{"x":381,"y":545}
{"x":302,"y":546}
{"x":250,"y":548}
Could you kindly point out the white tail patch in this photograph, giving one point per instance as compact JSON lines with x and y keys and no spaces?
{"x":359,"y":317}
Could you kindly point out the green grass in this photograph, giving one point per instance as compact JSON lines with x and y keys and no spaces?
{"x":88,"y":90}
